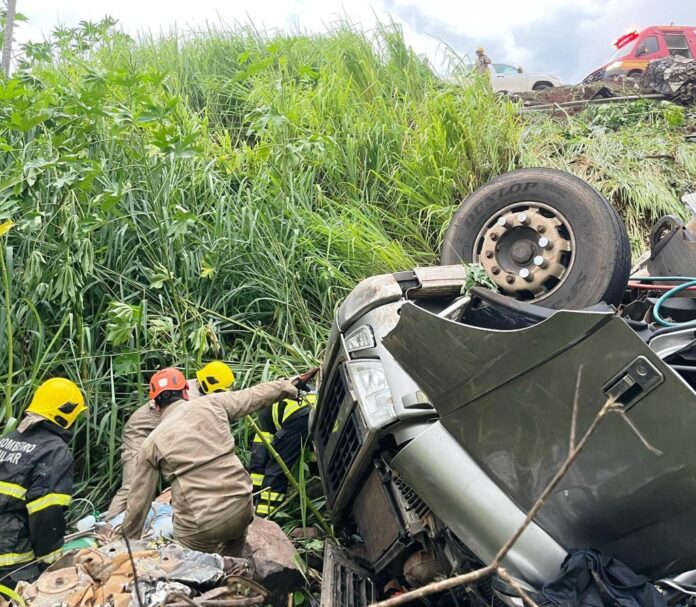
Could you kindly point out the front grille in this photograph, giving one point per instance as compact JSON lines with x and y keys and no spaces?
{"x":594,"y":76}
{"x":344,"y":582}
{"x":415,"y":503}
{"x":331,"y":406}
{"x":345,"y":452}
{"x":353,"y":590}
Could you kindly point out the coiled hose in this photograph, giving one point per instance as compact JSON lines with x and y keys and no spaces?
{"x":688,"y":282}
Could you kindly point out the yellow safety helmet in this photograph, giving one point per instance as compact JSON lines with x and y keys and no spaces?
{"x":215,"y":377}
{"x":58,"y":400}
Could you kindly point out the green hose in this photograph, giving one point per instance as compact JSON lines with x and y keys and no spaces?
{"x":690,"y":281}
{"x":12,"y":595}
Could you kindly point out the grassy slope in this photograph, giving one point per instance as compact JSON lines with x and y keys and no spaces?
{"x":177,"y":202}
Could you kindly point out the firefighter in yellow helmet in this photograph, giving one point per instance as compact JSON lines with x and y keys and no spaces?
{"x":36,"y":474}
{"x":214,"y":377}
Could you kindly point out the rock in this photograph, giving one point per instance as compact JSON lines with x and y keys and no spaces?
{"x":304,"y":533}
{"x":274,"y":559}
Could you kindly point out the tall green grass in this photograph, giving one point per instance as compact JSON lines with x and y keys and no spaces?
{"x":178,"y":199}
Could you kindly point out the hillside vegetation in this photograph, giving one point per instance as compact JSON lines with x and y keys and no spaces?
{"x":177,"y":200}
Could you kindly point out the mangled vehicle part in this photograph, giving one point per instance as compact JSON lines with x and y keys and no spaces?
{"x":674,"y":77}
{"x":168,"y":575}
{"x":442,"y":417}
{"x":343,"y":581}
{"x":672,"y":248}
{"x":507,"y":398}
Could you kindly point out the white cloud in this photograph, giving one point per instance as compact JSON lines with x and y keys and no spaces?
{"x":571,"y":36}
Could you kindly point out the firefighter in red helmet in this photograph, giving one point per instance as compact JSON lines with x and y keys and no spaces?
{"x":194,"y":449}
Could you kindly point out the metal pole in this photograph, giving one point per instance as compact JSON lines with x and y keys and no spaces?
{"x":583,"y":102}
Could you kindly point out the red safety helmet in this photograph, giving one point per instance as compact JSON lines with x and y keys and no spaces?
{"x":167,"y":379}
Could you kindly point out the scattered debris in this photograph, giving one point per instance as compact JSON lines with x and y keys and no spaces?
{"x":673,"y":77}
{"x":166,"y":575}
{"x":579,"y":92}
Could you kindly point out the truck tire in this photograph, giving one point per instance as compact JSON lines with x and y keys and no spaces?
{"x":543,"y":236}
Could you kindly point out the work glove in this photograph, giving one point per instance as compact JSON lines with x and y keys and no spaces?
{"x":301,"y":381}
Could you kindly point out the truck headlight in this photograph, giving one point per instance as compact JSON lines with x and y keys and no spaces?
{"x":374,"y":397}
{"x":361,"y":338}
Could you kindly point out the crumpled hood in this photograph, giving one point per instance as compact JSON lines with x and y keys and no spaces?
{"x":507,"y":399}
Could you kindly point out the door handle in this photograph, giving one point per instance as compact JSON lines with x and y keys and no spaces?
{"x":633,"y":382}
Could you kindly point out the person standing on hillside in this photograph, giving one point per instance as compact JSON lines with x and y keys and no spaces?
{"x":36,"y":476}
{"x":215,"y":376}
{"x":194,"y":448}
{"x":482,"y":61}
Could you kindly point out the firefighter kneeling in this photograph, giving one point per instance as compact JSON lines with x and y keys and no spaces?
{"x":285,"y":427}
{"x":36,"y":473}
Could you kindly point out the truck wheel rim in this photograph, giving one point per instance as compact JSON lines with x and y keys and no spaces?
{"x":527,"y":248}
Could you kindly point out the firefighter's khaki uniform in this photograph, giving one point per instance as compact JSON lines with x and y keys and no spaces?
{"x":482,"y":63}
{"x":138,"y":427}
{"x":193,"y":447}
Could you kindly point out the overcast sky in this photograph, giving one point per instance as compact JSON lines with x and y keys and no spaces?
{"x":568,"y":38}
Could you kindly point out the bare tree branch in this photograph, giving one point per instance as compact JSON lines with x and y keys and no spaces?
{"x":453,"y":582}
{"x":574,"y":417}
{"x":637,"y":432}
{"x":502,"y":573}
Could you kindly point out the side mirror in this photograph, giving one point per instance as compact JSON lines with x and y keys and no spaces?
{"x":519,"y":69}
{"x":641,"y":51}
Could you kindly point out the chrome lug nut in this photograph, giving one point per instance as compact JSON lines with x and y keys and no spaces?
{"x":523,"y":219}
{"x":525,"y":274}
{"x":540,"y":261}
{"x":545,"y":243}
{"x":503,"y":222}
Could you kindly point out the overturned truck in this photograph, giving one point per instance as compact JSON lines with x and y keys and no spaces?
{"x":442,"y":416}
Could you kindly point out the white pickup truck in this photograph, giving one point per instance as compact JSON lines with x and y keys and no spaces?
{"x":510,"y":79}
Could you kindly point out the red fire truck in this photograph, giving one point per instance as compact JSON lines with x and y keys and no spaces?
{"x":638,"y":48}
